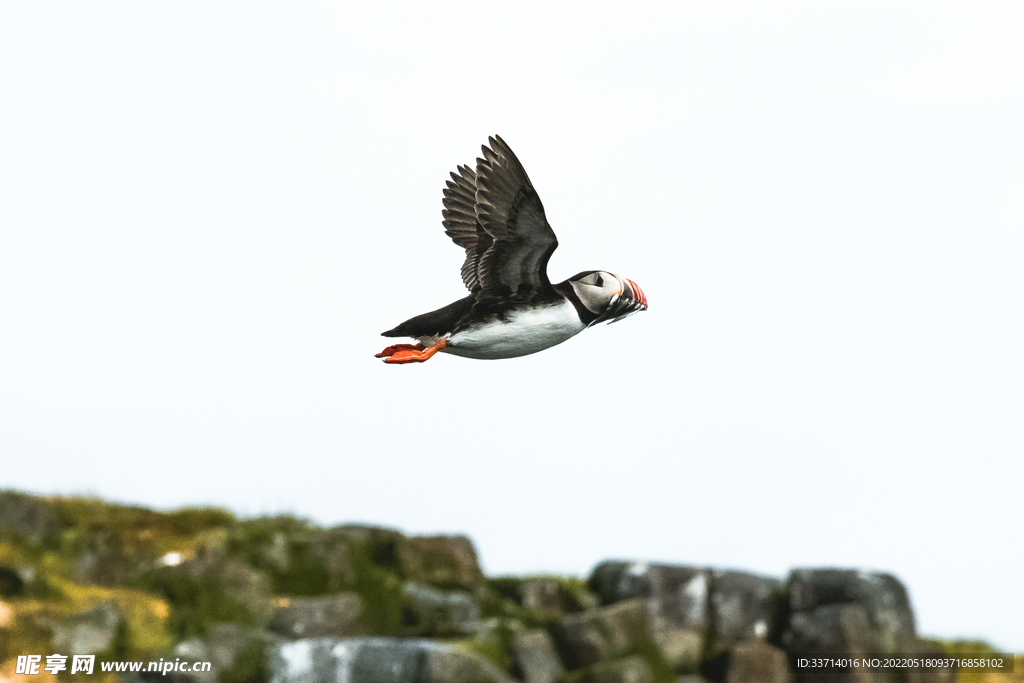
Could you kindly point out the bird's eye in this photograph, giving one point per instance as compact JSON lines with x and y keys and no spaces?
{"x":599,"y":282}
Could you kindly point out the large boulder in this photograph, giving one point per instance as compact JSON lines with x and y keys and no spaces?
{"x":847,"y":631}
{"x":614,"y":581}
{"x":839,"y":631}
{"x":439,"y":612}
{"x":535,"y":657}
{"x":543,"y":596}
{"x":723,"y":607}
{"x":743,"y":607}
{"x":844,"y":612}
{"x":681,"y":648}
{"x":442,"y":561}
{"x":885,"y":621}
{"x":756,"y":662}
{"x":607,"y":633}
{"x":381,"y":660}
{"x":331,"y":615}
{"x":679,"y":594}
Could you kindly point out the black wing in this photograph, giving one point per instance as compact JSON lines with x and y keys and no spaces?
{"x":510,"y":212}
{"x":497,"y":217}
{"x":460,"y":223}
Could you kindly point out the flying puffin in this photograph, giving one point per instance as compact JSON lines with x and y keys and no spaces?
{"x":513,"y":309}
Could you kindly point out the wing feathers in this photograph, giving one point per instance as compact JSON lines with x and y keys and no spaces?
{"x":497,"y":217}
{"x":460,"y":223}
{"x":510,"y":211}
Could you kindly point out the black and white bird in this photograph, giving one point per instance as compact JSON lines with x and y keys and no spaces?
{"x":513,"y":309}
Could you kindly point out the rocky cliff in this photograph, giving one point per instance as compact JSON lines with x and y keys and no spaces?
{"x":281,"y":600}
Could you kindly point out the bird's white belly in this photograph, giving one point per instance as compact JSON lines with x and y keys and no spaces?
{"x":520,"y":334}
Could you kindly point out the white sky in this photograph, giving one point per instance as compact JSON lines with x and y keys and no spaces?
{"x":209,"y":211}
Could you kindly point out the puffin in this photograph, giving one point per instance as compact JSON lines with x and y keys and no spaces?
{"x":512,"y":310}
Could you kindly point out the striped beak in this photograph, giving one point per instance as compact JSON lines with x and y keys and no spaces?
{"x":624,"y":304}
{"x":636,"y":293}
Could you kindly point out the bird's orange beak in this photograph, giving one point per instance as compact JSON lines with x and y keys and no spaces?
{"x":637,"y":293}
{"x":629,"y":300}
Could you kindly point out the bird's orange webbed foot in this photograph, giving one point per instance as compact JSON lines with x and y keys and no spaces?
{"x":392,"y":350}
{"x":413,"y":355}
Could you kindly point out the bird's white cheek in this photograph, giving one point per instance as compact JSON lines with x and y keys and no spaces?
{"x":591,"y":297}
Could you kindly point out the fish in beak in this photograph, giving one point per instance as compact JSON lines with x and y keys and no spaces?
{"x":628,"y":300}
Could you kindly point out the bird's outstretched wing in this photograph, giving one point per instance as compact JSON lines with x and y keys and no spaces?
{"x":497,"y":217}
{"x":510,"y":211}
{"x":461,"y":224}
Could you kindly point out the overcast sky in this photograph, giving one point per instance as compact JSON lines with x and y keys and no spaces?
{"x":209,"y":212}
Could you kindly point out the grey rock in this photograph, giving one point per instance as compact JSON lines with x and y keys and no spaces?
{"x":680,"y":595}
{"x":607,"y":633}
{"x":729,"y":606}
{"x":445,"y":561}
{"x":757,"y":662}
{"x":543,"y":596}
{"x":831,"y":629}
{"x":743,"y":607}
{"x":882,"y":598}
{"x":331,"y":615}
{"x":377,"y":660}
{"x":442,"y":613}
{"x":628,"y":670}
{"x":681,"y":648}
{"x":535,"y":657}
{"x":836,"y":630}
{"x":452,"y":665}
{"x":88,"y":632}
{"x":614,"y":581}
